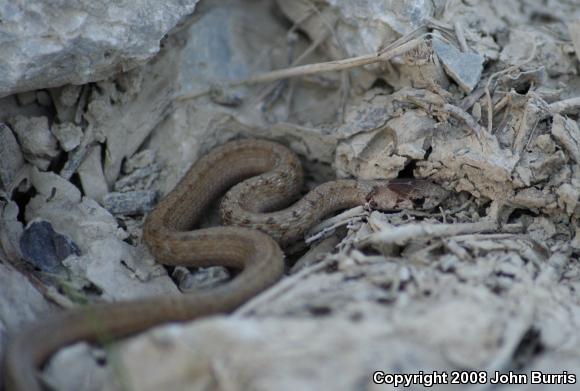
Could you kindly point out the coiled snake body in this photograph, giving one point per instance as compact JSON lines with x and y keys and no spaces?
{"x":252,"y":245}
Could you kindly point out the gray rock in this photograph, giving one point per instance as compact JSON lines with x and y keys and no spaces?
{"x":68,"y":135}
{"x":38,"y":143}
{"x":49,"y":44}
{"x":130,"y":203}
{"x":12,"y":159}
{"x":464,"y":68}
{"x":216,"y":51}
{"x":69,"y":95}
{"x":67,"y":101}
{"x":26,"y":98}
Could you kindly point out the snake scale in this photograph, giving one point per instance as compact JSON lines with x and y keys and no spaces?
{"x":264,"y":178}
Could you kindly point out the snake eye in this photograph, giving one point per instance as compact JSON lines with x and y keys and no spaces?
{"x":418,"y":202}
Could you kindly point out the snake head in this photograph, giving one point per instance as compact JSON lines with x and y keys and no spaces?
{"x":422,"y":193}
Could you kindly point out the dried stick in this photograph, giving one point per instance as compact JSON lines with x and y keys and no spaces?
{"x":330,"y":225}
{"x":406,"y":233}
{"x":329,"y":66}
{"x":395,"y":49}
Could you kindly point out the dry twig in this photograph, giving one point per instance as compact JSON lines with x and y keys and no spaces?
{"x":397,"y":48}
{"x":408,"y":232}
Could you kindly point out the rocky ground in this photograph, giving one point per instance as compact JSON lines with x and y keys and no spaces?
{"x":106,"y":105}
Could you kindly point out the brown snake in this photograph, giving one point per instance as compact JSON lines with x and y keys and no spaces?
{"x":275,"y":181}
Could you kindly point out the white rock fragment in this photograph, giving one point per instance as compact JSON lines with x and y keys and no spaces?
{"x":464,"y":68}
{"x":567,"y":134}
{"x":568,"y":197}
{"x":68,"y":135}
{"x":92,"y":176}
{"x":53,"y":188}
{"x":38,"y":143}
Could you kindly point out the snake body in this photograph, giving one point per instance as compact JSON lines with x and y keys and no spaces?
{"x":265,"y":177}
